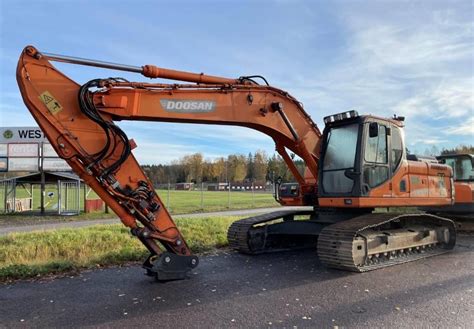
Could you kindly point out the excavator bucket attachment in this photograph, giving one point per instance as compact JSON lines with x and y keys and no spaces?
{"x":168,"y":266}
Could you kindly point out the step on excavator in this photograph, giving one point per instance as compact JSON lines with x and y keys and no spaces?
{"x":358,"y":164}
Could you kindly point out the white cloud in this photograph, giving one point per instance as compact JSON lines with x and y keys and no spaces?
{"x":409,"y":58}
{"x":419,"y":134}
{"x":421,"y":68}
{"x":393,"y":45}
{"x":464,"y":129}
{"x":452,"y":98}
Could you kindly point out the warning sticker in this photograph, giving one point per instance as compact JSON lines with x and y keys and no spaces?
{"x":51,"y":103}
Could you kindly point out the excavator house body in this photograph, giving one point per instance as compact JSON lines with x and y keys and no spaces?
{"x":357,"y":164}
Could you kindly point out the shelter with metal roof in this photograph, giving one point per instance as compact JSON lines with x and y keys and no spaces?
{"x":55,"y":193}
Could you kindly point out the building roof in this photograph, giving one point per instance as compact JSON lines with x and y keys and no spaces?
{"x":50,"y":177}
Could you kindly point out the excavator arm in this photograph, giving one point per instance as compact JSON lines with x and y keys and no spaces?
{"x":79,"y":123}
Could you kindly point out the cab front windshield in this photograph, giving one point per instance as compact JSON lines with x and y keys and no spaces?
{"x":339,"y":157}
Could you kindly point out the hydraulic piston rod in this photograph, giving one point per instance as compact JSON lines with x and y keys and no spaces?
{"x":150,"y":71}
{"x":91,"y":62}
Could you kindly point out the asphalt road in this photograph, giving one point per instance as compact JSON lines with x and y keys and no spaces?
{"x":291,"y":290}
{"x":90,"y":222}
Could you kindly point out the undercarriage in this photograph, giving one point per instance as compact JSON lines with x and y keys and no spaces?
{"x":354,"y":241}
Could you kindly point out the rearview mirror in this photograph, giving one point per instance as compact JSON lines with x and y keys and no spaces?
{"x":373,"y":129}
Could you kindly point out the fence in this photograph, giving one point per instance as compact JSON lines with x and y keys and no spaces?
{"x":212,"y":186}
{"x":65,"y":198}
{"x":7,"y":196}
{"x":209,"y":196}
{"x":61,"y":198}
{"x":69,"y":198}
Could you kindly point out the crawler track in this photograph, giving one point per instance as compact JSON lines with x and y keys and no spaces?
{"x":239,"y":233}
{"x":374,"y":241}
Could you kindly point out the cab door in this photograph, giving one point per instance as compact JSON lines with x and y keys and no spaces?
{"x":376,"y":168}
{"x":400,"y":179}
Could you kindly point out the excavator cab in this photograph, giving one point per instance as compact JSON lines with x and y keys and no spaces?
{"x":462,"y":164}
{"x":359,"y":154}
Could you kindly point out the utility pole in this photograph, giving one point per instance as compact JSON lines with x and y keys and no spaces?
{"x":273,"y":182}
{"x":168,"y":196}
{"x":202,"y":196}
{"x":42,"y":187}
{"x":227,"y":182}
{"x":253,"y":194}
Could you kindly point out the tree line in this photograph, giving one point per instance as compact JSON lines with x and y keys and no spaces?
{"x":460,"y":149}
{"x":255,"y":167}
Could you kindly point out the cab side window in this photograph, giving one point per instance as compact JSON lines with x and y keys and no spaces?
{"x":376,"y":150}
{"x":397,"y":148}
{"x":376,"y":169}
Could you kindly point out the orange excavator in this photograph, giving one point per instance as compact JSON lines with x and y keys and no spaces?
{"x":357,"y":165}
{"x":462,"y":211}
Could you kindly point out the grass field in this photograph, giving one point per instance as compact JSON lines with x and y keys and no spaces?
{"x":180,"y":202}
{"x":183,"y":202}
{"x":25,"y":255}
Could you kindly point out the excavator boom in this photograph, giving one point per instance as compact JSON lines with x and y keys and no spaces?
{"x":79,"y":122}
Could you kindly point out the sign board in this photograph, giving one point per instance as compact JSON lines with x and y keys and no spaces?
{"x":48,"y":151}
{"x":23,"y":150}
{"x":55,"y":164}
{"x":26,"y":149}
{"x":23,"y":164}
{"x":21,"y":135}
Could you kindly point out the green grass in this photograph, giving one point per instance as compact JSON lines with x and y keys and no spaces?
{"x":183,"y":202}
{"x":25,"y":255}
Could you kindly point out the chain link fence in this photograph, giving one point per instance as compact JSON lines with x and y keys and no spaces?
{"x":211,"y":196}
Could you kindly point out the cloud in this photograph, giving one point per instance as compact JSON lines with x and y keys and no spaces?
{"x":452,"y":98}
{"x":420,"y":67}
{"x":409,"y":58}
{"x":396,"y":46}
{"x":464,"y":129}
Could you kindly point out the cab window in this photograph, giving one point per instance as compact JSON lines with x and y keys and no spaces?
{"x":376,"y":169}
{"x":339,"y":157}
{"x":462,"y":168}
{"x":397,"y":148}
{"x":376,"y":149}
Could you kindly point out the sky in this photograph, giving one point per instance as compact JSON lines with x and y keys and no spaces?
{"x":410,"y":58}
